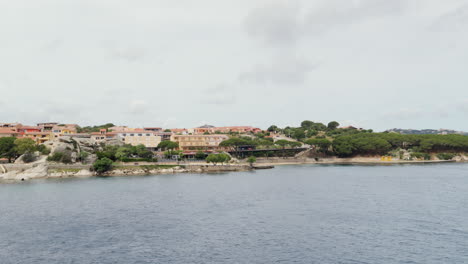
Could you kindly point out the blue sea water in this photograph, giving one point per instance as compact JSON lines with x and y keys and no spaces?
{"x":291,"y":214}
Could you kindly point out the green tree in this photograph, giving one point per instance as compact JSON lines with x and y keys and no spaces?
{"x":8,"y":148}
{"x":168,"y":145}
{"x":299,"y":134}
{"x":25,"y":145}
{"x":251,"y":160}
{"x":307,"y":124}
{"x":200,"y":155}
{"x":321,"y":143}
{"x":333,"y":125}
{"x":274,"y":128}
{"x":218,"y":158}
{"x":102,"y":165}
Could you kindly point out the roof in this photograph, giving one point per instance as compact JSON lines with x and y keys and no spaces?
{"x":30,"y":127}
{"x":37,"y":133}
{"x":7,"y":131}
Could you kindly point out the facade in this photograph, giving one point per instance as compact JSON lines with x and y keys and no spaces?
{"x":147,"y":138}
{"x":102,"y":136}
{"x":180,"y":131}
{"x":9,"y":125}
{"x":38,"y":137}
{"x":199,"y":142}
{"x":26,"y":129}
{"x":8,"y":132}
{"x":225,"y":130}
{"x":64,"y":130}
{"x":154,"y":129}
{"x":47,"y":126}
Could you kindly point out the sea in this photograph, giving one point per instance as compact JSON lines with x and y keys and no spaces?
{"x":289,"y":214}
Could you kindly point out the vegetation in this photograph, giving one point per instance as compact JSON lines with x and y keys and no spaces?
{"x":251,"y":160}
{"x":218,"y":158}
{"x":62,"y":157}
{"x":102,"y":165}
{"x":382,"y":143}
{"x":126,"y":153}
{"x":168,"y":145}
{"x":11,"y":148}
{"x":8,"y":148}
{"x":446,"y":156}
{"x":90,"y":129}
{"x":200,"y":155}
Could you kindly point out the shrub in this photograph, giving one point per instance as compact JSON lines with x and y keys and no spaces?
{"x":251,"y":160}
{"x":63,"y":157}
{"x":43,"y":149}
{"x":29,"y":157}
{"x":420,"y":155}
{"x":139,"y":159}
{"x":446,"y":156}
{"x":57,"y":157}
{"x":102,"y":165}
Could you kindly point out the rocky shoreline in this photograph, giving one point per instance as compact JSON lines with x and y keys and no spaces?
{"x":46,"y":170}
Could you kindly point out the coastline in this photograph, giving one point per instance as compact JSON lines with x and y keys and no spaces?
{"x":45,"y":170}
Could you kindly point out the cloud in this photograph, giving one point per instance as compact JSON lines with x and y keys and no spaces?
{"x":276,"y":22}
{"x":138,"y":107}
{"x":341,"y":13}
{"x":283,"y":22}
{"x":281,"y":71}
{"x":454,"y":20}
{"x":128,"y":54}
{"x":409,"y":113}
{"x":219,"y":95}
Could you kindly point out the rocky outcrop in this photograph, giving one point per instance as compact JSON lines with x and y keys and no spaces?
{"x":37,"y":171}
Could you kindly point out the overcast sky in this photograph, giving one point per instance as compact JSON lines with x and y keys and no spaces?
{"x":182,"y":63}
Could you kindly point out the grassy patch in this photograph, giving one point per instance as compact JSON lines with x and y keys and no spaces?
{"x":144,"y":167}
{"x":69,"y":170}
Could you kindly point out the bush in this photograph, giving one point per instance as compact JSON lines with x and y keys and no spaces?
{"x":43,"y":149}
{"x":138,"y":159}
{"x":218,"y":158}
{"x":57,"y":157}
{"x":63,"y":157}
{"x":446,"y":156}
{"x":420,"y":155}
{"x":29,"y":157}
{"x":102,"y":165}
{"x":200,"y":155}
{"x":251,"y":160}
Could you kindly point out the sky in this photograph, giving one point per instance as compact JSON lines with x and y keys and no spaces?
{"x":376,"y":64}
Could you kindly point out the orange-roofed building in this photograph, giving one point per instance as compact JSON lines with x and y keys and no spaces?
{"x":8,"y":132}
{"x":38,"y":137}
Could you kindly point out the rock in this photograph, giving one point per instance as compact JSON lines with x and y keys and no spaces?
{"x":38,"y":171}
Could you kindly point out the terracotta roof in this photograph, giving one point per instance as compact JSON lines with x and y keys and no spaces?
{"x":7,"y":131}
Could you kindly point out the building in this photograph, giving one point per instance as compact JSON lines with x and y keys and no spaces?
{"x":199,"y":142}
{"x":10,"y":125}
{"x":103,"y":135}
{"x":154,"y":129}
{"x":64,"y":129}
{"x":140,"y":137}
{"x":26,"y":129}
{"x":47,"y":126}
{"x":38,"y":137}
{"x":180,"y":131}
{"x":165,"y":136}
{"x":225,"y":130}
{"x":8,"y":132}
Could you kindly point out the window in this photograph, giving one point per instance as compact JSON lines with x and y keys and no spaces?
{"x":132,"y":135}
{"x":140,"y":135}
